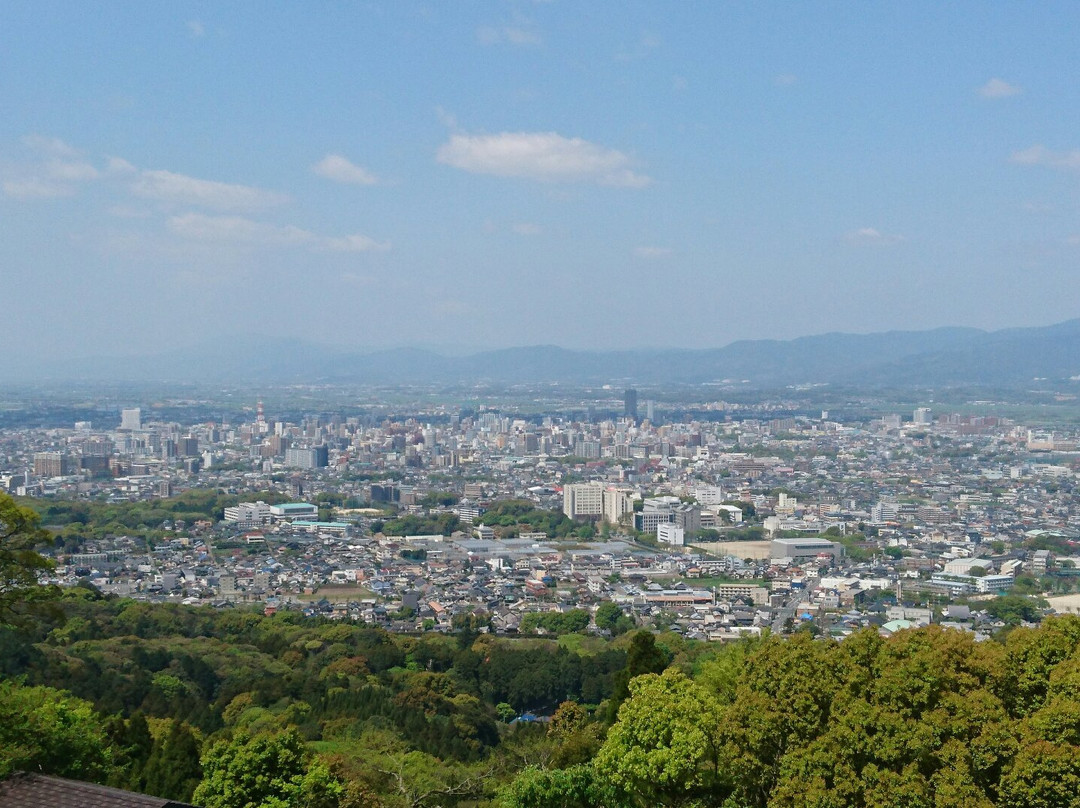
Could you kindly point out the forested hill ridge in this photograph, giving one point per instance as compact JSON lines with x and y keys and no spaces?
{"x":933,"y":358}
{"x":233,"y":708}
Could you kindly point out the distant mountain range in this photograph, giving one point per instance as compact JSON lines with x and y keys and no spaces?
{"x":941,"y":357}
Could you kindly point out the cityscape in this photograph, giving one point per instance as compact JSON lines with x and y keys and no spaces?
{"x":731,"y":521}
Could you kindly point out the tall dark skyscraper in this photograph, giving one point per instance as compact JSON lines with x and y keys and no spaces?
{"x":630,"y":404}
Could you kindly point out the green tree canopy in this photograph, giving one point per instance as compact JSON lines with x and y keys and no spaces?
{"x":50,"y":731}
{"x":665,"y":747}
{"x":20,"y":563}
{"x":265,"y":771}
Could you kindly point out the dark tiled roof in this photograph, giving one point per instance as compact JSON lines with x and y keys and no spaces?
{"x":42,"y":791}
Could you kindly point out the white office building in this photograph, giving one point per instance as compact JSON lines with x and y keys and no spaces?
{"x":131,"y":419}
{"x":583,"y":500}
{"x":670,"y":533}
{"x":617,"y":503}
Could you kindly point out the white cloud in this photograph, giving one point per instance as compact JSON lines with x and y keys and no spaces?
{"x":35,"y":188}
{"x":652,"y":252}
{"x":871,"y":235}
{"x":196,"y":28}
{"x":118,"y":165}
{"x":52,"y":146}
{"x":997,"y":88}
{"x":354,"y":243}
{"x":543,"y":156}
{"x":1039,"y":155}
{"x":527,"y":229}
{"x":507,"y":35}
{"x":785,"y":79}
{"x":69,"y":171}
{"x":167,"y":186}
{"x":240,"y":230}
{"x":340,"y":169}
{"x":55,"y":175}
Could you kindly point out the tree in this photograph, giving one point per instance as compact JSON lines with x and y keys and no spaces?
{"x":643,"y":657}
{"x":173,"y":770}
{"x":1044,"y":775}
{"x":575,"y":787}
{"x":607,"y":616}
{"x":265,"y":771}
{"x":21,"y":564}
{"x":50,"y":731}
{"x":1016,"y":609}
{"x":665,"y":747}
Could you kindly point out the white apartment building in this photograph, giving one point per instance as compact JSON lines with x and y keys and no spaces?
{"x":249,"y":514}
{"x":583,"y":500}
{"x":617,"y":503}
{"x":670,"y":533}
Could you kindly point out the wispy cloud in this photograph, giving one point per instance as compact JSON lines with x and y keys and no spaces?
{"x":340,"y":169}
{"x":196,"y":28}
{"x":1039,"y":155}
{"x":652,"y":252}
{"x":522,"y":36}
{"x":50,"y":146}
{"x":785,"y":79}
{"x":873,"y":236}
{"x":240,"y":230}
{"x":54,"y":174}
{"x":118,"y":165}
{"x":542,"y":156}
{"x":167,"y":186}
{"x":36,"y":188}
{"x":527,"y":229}
{"x":998,"y":88}
{"x":71,"y":171}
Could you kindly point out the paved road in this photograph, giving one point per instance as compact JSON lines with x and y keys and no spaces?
{"x":791,"y":605}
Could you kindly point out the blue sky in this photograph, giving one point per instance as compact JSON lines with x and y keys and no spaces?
{"x":487,"y":174}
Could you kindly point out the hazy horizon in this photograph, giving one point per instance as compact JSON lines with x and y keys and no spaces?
{"x":603,"y":176}
{"x":459,"y":350}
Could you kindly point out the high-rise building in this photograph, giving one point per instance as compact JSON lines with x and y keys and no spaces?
{"x":923,"y":416}
{"x":630,"y":404}
{"x":617,"y":503}
{"x":316,"y":457}
{"x":49,"y":464}
{"x":131,"y":419}
{"x":583,"y":500}
{"x":587,"y":448}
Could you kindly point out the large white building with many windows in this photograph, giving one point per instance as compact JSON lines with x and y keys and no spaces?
{"x":617,"y":503}
{"x":583,"y":500}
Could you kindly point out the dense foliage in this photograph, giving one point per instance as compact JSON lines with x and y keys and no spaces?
{"x":170,"y":699}
{"x":929,"y":717}
{"x":510,"y":517}
{"x":82,"y":519}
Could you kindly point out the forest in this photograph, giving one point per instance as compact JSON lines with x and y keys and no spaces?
{"x":231,"y":708}
{"x":180,"y":701}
